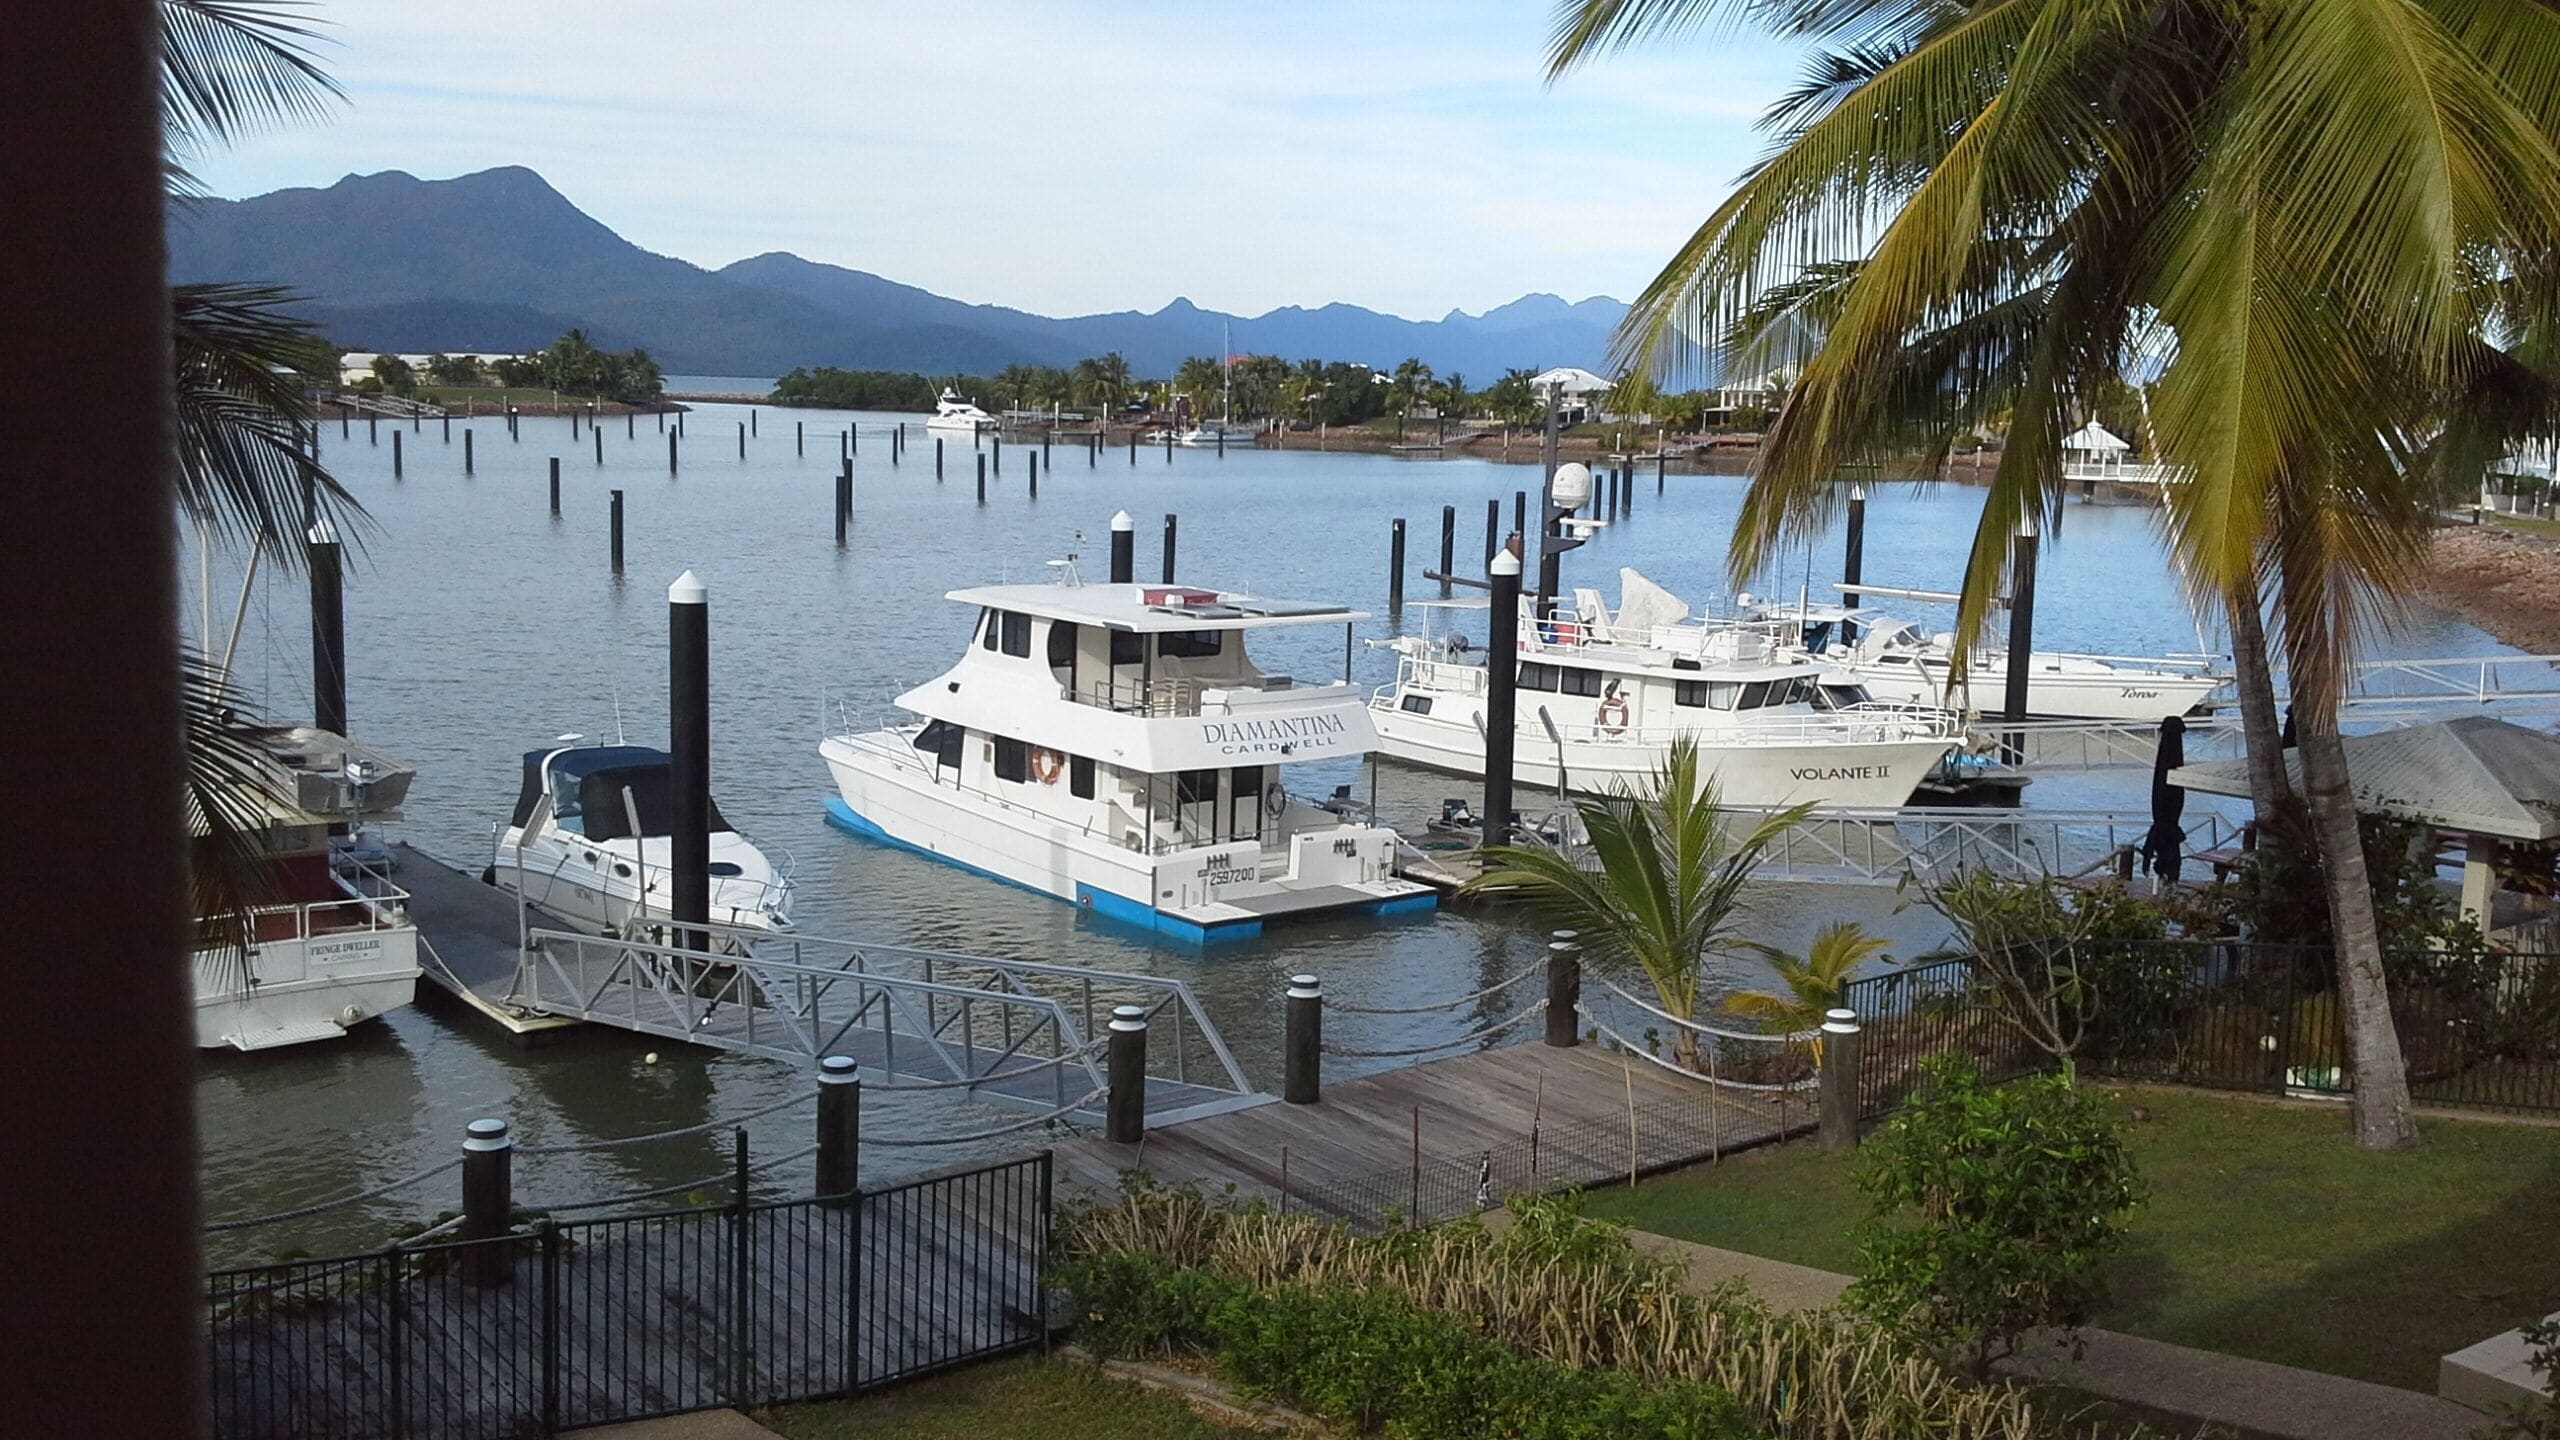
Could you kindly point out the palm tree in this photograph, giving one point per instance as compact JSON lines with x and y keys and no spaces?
{"x":1814,"y":982}
{"x":1114,"y":370}
{"x":1668,"y":888}
{"x":2297,"y":198}
{"x":1410,"y":379}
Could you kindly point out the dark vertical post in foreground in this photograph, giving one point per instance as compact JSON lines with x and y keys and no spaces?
{"x":373,"y":429}
{"x":1395,"y":566}
{"x":999,"y":454}
{"x":982,"y":477}
{"x":1448,"y":545}
{"x":466,"y":450}
{"x":1840,"y":1080}
{"x":839,"y":1126}
{"x":1303,"y":1046}
{"x":2022,"y":635}
{"x":742,"y":440}
{"x":1124,"y":549}
{"x":800,"y":437}
{"x":326,"y":559}
{"x":689,"y":750}
{"x":1171,"y":526}
{"x":1502,"y":673}
{"x":1492,"y":529}
{"x":599,"y":439}
{"x":617,"y":532}
{"x":1035,"y":477}
{"x":1853,"y":563}
{"x":488,"y":1200}
{"x":844,"y":501}
{"x":555,"y":486}
{"x":937,"y":457}
{"x":1125,"y":1111}
{"x":1564,"y":989}
{"x":672,"y":438}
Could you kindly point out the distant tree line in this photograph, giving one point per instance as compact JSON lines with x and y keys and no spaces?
{"x":572,"y":365}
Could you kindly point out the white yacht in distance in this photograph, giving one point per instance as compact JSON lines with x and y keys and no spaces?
{"x":1114,"y":745}
{"x":1897,"y":662}
{"x":950,"y":412}
{"x":329,"y":942}
{"x":1600,"y":698}
{"x":591,"y":837}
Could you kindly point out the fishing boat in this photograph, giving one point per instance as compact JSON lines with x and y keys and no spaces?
{"x":1897,"y":661}
{"x":950,"y":412}
{"x":323,"y":941}
{"x":591,"y":842}
{"x":1600,"y":697}
{"x":1115,"y":745}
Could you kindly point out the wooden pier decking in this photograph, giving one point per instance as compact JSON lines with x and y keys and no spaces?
{"x":1444,"y":1138}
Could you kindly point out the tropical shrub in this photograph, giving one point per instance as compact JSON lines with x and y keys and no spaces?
{"x":2058,"y":963}
{"x":1994,"y":1207}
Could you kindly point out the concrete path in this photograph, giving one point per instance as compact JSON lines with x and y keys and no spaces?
{"x":699,"y":1425}
{"x":2205,"y":1386}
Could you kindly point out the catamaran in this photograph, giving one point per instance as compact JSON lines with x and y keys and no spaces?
{"x":328,"y":944}
{"x":1114,"y":745}
{"x":1600,"y":697}
{"x":592,"y":840}
{"x":950,"y":412}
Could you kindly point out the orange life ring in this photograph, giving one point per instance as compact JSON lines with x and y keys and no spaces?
{"x":1613,"y":713}
{"x":1046,"y":763}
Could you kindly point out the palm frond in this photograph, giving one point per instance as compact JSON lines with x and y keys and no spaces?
{"x":230,"y":66}
{"x":225,"y":782}
{"x":244,"y":469}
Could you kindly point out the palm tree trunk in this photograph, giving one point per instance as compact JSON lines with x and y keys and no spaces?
{"x":2269,"y":791}
{"x":2382,"y":1118}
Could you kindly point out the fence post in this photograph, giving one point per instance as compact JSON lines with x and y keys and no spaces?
{"x":1564,"y":989}
{"x":839,"y":1126}
{"x":550,"y":1325}
{"x":488,"y":1199}
{"x":738,"y":1272}
{"x":1304,"y":1042}
{"x":394,"y":1315}
{"x":1839,"y":1129}
{"x":1125,"y":1110}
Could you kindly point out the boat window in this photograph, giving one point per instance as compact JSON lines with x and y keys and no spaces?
{"x":724,"y":869}
{"x":1574,"y":680}
{"x":987,"y":627}
{"x":1838,"y":695}
{"x":1894,"y":657}
{"x":1062,"y":644}
{"x":1017,"y":635}
{"x":1192,"y":787}
{"x":1190,"y":644}
{"x":1711,"y":694}
{"x":1080,"y":776}
{"x":1755,"y":694}
{"x":1692,"y":693}
{"x":1418,"y":704}
{"x":1013,"y":760}
{"x":1817,"y":636}
{"x":1534,"y":676}
{"x":942,"y":740}
{"x":1128,"y":647}
{"x":1244,"y":807}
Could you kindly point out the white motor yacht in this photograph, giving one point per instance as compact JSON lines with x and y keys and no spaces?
{"x":950,"y":412}
{"x":1600,"y":698}
{"x":325,"y":942}
{"x":1897,"y":661}
{"x":591,"y":840}
{"x":1114,"y":745}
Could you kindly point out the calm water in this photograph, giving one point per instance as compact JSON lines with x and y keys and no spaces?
{"x":478,"y":627}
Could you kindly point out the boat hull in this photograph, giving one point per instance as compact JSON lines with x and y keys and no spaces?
{"x":1760,"y":775}
{"x":2132,"y":698}
{"x":304,"y":990}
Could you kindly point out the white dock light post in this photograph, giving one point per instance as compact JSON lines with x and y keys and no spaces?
{"x":689,"y":748}
{"x":1304,"y":1043}
{"x":839,"y":1126}
{"x":328,"y":628}
{"x":1502,"y":674}
{"x":1839,"y":1129}
{"x":1124,"y":549}
{"x":488,"y":1199}
{"x":1125,"y":1109}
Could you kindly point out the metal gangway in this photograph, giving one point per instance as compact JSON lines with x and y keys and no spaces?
{"x":1010,"y":1031}
{"x":1925,"y":843}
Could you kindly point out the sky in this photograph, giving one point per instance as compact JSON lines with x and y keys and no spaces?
{"x":1064,"y":158}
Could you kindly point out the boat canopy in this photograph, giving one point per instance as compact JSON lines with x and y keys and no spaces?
{"x":604,"y":774}
{"x":1154,"y":609}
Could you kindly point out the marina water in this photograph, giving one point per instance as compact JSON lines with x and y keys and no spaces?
{"x":478,"y":627}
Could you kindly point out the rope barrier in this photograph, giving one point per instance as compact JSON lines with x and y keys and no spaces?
{"x":1760,"y":1036}
{"x":360,"y":1196}
{"x":1494,"y":989}
{"x":1042,"y":1119}
{"x":582,"y":1147}
{"x":1641,"y":1053}
{"x":1485,"y":1034}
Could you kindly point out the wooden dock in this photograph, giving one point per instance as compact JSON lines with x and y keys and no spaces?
{"x":1449,"y":1137}
{"x":467,"y":931}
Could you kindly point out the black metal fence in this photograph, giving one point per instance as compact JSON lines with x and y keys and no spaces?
{"x":2477,"y":1031}
{"x":571,"y":1324}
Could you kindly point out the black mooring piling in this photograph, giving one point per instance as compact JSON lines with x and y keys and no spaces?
{"x":599,"y":443}
{"x":982,"y":477}
{"x":395,"y":455}
{"x":1492,"y":529}
{"x":373,"y":429}
{"x":672,"y":441}
{"x":466,"y":450}
{"x":1503,"y":621}
{"x":1035,"y":477}
{"x":844,"y":500}
{"x":326,"y":561}
{"x":616,"y":528}
{"x":799,"y":437}
{"x":1853,"y":563}
{"x":742,"y":439}
{"x":1172,"y":525}
{"x":689,"y":755}
{"x":1124,"y":549}
{"x":999,"y":454}
{"x":937,"y":457}
{"x":1395,"y":565}
{"x":1448,"y":544}
{"x":555,"y":487}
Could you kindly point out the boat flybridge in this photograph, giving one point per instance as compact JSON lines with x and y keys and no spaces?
{"x":592,"y":840}
{"x":1897,"y":661}
{"x":950,"y":412}
{"x":324,"y":941}
{"x":1600,"y":698}
{"x":1114,"y":745}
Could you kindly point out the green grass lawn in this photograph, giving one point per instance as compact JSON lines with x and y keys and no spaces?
{"x":1062,"y":1398}
{"x":2267,"y":1234}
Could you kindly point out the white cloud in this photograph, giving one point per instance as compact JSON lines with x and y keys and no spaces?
{"x":1064,"y":159}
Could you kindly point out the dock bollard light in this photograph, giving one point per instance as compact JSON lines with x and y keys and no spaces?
{"x":1303,"y":1043}
{"x":1838,"y":1128}
{"x":1125,"y":1107}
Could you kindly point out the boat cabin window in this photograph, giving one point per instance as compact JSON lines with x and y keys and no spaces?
{"x":1080,"y":776}
{"x":1418,"y":704}
{"x":942,"y":741}
{"x":1817,"y":636}
{"x":1195,"y":787}
{"x":1760,"y":694}
{"x":1013,"y":760}
{"x":1017,"y":635}
{"x":1534,"y":676}
{"x":1840,"y":695}
{"x":1062,"y":644}
{"x":1573,"y":680}
{"x":1191,"y":644}
{"x":1128,"y":647}
{"x":987,"y":628}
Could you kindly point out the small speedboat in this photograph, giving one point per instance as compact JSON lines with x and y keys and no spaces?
{"x":591,"y":840}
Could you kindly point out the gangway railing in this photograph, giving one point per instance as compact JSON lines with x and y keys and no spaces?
{"x":1931,"y":843}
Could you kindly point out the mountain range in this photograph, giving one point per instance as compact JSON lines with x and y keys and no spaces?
{"x":498,"y":260}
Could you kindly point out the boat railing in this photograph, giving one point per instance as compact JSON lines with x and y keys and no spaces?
{"x":770,"y":895}
{"x":367,"y":900}
{"x":2126,"y":472}
{"x":1872,"y":723}
{"x":1182,"y":695}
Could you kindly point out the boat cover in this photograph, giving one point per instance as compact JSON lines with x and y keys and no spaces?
{"x":1643,"y":605}
{"x":603,"y":773}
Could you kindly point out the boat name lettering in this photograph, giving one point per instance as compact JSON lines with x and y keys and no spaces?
{"x":1257,"y":737}
{"x":339,"y":952}
{"x":1842,"y":772}
{"x":2132,"y":694}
